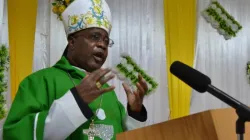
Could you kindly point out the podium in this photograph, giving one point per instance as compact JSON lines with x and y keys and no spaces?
{"x":219,"y":124}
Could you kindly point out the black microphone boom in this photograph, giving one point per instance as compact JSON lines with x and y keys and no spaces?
{"x":202,"y":83}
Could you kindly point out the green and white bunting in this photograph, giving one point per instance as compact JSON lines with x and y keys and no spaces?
{"x":128,"y":70}
{"x":219,"y":18}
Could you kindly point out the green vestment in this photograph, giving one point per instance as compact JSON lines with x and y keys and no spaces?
{"x":36,"y":94}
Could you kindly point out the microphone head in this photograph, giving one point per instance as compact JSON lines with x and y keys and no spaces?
{"x":190,"y":76}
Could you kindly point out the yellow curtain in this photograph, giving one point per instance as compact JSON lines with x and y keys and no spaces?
{"x":180,"y":26}
{"x":22,"y":23}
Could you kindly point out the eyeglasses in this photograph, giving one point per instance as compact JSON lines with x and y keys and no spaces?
{"x":97,"y":37}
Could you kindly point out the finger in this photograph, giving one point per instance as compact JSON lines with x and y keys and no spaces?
{"x":140,"y":90}
{"x":92,"y":74}
{"x":106,"y":79}
{"x":104,"y":90}
{"x":85,"y":78}
{"x":99,"y":74}
{"x":139,"y":77}
{"x":126,"y":88}
{"x":137,"y":96}
{"x":97,"y":71}
{"x":143,"y":83}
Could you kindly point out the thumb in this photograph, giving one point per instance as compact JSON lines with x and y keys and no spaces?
{"x":87,"y":74}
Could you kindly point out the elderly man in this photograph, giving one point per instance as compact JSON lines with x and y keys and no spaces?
{"x":72,"y":99}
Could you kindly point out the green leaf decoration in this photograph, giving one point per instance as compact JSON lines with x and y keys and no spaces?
{"x":131,"y":75}
{"x":4,"y":66}
{"x":221,"y":20}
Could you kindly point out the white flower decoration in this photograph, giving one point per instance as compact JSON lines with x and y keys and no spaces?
{"x":209,"y":19}
{"x":205,"y":14}
{"x":136,"y":74}
{"x":215,"y":24}
{"x":234,"y":27}
{"x":221,"y":31}
{"x":124,"y":61}
{"x":223,"y":16}
{"x":213,"y":6}
{"x":212,"y":20}
{"x":229,"y":22}
{"x":227,"y":37}
{"x":124,"y":54}
{"x":218,"y":10}
{"x":130,"y":67}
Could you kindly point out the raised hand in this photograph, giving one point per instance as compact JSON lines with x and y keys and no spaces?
{"x":90,"y":87}
{"x":135,"y":99}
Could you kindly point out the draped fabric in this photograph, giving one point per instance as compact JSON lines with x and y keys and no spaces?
{"x":4,"y":39}
{"x":180,"y":25}
{"x":138,"y":29}
{"x":223,"y":61}
{"x":3,"y":23}
{"x":50,"y":38}
{"x":21,"y":38}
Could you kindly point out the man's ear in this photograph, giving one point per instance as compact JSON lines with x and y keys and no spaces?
{"x":70,"y":42}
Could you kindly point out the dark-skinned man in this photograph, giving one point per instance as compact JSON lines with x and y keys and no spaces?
{"x":72,"y":99}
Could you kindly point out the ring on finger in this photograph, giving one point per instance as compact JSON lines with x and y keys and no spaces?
{"x":98,"y":85}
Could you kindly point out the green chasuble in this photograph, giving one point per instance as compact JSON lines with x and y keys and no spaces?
{"x":38,"y":91}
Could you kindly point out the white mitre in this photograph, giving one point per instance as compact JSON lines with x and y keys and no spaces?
{"x":82,"y":14}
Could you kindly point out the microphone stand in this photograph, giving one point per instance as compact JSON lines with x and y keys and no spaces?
{"x":242,"y":110}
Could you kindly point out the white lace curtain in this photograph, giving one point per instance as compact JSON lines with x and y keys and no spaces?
{"x":223,"y":61}
{"x":138,"y":29}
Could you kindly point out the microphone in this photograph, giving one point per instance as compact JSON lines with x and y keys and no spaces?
{"x":191,"y":77}
{"x":202,"y":83}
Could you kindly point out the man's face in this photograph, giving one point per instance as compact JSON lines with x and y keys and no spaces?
{"x":89,"y":48}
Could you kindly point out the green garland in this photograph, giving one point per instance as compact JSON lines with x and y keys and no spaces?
{"x":4,"y":63}
{"x":248,"y":71}
{"x":221,"y":20}
{"x":128,"y":71}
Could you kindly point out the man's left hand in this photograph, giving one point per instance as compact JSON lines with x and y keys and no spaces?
{"x":135,"y":98}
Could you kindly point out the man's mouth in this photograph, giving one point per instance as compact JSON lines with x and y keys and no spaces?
{"x":99,"y":56}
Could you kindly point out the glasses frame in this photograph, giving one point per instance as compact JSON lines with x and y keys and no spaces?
{"x":111,"y":41}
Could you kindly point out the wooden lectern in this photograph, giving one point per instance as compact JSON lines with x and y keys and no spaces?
{"x":209,"y":125}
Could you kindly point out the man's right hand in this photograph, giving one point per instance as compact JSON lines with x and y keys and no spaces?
{"x":88,"y":89}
